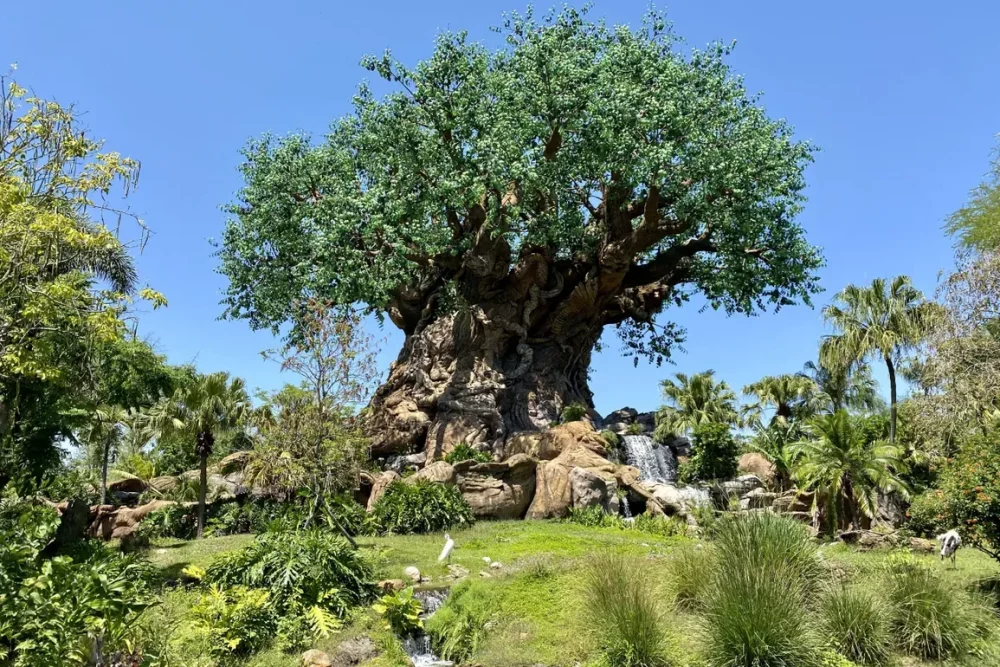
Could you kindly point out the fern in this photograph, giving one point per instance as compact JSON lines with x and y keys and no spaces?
{"x":322,"y":622}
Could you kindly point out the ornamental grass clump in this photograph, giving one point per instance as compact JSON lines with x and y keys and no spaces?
{"x":857,"y":624}
{"x":622,"y":609}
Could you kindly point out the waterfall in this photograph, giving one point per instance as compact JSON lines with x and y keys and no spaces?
{"x":418,"y":647}
{"x":656,"y":463}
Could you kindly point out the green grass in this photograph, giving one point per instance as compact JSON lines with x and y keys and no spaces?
{"x":532,"y":611}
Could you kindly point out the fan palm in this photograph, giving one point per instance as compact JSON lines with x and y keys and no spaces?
{"x":792,"y":397}
{"x":693,"y":400}
{"x":210,"y":406}
{"x":775,"y":443}
{"x":884,"y":320}
{"x":837,"y":462}
{"x":849,"y":386}
{"x":103,"y":434}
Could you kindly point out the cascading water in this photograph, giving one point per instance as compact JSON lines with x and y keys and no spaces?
{"x":656,"y":463}
{"x":418,"y":647}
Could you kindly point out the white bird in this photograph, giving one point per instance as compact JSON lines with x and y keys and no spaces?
{"x":449,"y":544}
{"x":950,"y":542}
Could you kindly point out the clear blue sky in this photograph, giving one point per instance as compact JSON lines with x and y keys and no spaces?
{"x":902,"y":97}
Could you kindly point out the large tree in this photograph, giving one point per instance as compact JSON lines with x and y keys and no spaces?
{"x":883,"y":320}
{"x":503,"y":207}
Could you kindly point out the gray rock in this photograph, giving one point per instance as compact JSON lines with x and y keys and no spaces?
{"x":758,"y":498}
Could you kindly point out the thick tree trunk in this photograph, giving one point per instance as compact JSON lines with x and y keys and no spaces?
{"x":478,"y":379}
{"x":202,"y":492}
{"x":892,"y":400}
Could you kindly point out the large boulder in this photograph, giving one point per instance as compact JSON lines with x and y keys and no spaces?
{"x":233,"y":463}
{"x":669,"y":498}
{"x":164,"y":483}
{"x":624,"y":416}
{"x":593,"y":488}
{"x":405,"y":462}
{"x":441,"y":472}
{"x":379,"y":485}
{"x":759,"y":498}
{"x":548,"y":445}
{"x":121,"y":523}
{"x":498,"y":490}
{"x":553,"y":492}
{"x":753,"y":463}
{"x":128,"y":485}
{"x":741,"y":486}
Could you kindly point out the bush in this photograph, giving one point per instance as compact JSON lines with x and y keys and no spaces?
{"x":929,"y":619}
{"x":635,"y":428}
{"x":689,"y":573}
{"x":463,"y":452}
{"x":574,"y":412}
{"x":596,"y":517}
{"x":401,"y":612}
{"x":714,"y":454}
{"x":420,"y":507}
{"x":176,"y":521}
{"x":239,"y":620}
{"x":460,"y":625}
{"x":622,"y":610}
{"x":299,"y":570}
{"x":927,"y":515}
{"x":856,"y":623}
{"x":755,"y":611}
{"x":613,"y":440}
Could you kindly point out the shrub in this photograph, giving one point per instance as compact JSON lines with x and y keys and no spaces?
{"x":929,"y":619}
{"x":420,"y":507}
{"x":574,"y":412}
{"x":177,"y":521}
{"x":755,"y":611}
{"x":635,"y":428}
{"x":664,"y":526}
{"x":689,"y":573}
{"x":856,"y":623}
{"x":460,"y":625}
{"x":463,"y":452}
{"x":595,"y":517}
{"x":299,"y":570}
{"x":927,"y":514}
{"x":401,"y":612}
{"x":622,"y":610}
{"x":613,"y":439}
{"x":239,"y":620}
{"x":714,"y":454}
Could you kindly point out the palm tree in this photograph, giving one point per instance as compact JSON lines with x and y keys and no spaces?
{"x":848,"y":387}
{"x":693,"y":400}
{"x":210,"y":406}
{"x":774,"y":442}
{"x":837,"y":462}
{"x":792,"y":397}
{"x":883,"y":320}
{"x":103,"y":434}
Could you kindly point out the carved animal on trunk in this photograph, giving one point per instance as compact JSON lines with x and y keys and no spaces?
{"x":503,"y":208}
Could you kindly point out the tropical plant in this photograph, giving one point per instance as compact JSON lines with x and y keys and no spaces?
{"x":883,"y":320}
{"x":848,"y":387}
{"x":755,"y":611}
{"x":463,"y":452}
{"x":239,"y":620}
{"x":791,"y":397}
{"x":774,"y":442}
{"x":539,"y":193}
{"x":401,"y":612}
{"x":420,"y":507}
{"x":458,"y":628}
{"x":856,"y":622}
{"x":977,"y":224}
{"x":103,"y":434}
{"x":713,"y":454}
{"x":573,"y":412}
{"x":693,"y":400}
{"x":623,"y":612}
{"x":212,"y":405}
{"x":845,"y":469}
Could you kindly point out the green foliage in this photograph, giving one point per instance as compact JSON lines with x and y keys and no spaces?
{"x":613,"y":440}
{"x":929,"y":514}
{"x":792,"y":397}
{"x":756,"y":612}
{"x":856,"y":622}
{"x":634,"y":428}
{"x":239,"y":620}
{"x":930,"y":619}
{"x":468,"y":139}
{"x":420,"y":507}
{"x":57,"y":610}
{"x":299,"y":570}
{"x":977,"y":224}
{"x":459,"y":627}
{"x":689,"y":575}
{"x":645,"y":523}
{"x":574,"y":412}
{"x":463,"y":452}
{"x":177,"y":521}
{"x":692,"y":401}
{"x":622,"y":610}
{"x":713,"y":454}
{"x":401,"y":612}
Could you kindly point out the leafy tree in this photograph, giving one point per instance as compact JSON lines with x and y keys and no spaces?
{"x":977,"y":224}
{"x":212,"y":405}
{"x":103,"y":434}
{"x":849,"y":387}
{"x":775,"y":443}
{"x":501,"y":208}
{"x":693,"y":400}
{"x":713,"y":454}
{"x":883,"y":320}
{"x":791,"y":397}
{"x":844,"y":468}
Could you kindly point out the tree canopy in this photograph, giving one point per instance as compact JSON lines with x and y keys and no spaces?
{"x":580,"y":160}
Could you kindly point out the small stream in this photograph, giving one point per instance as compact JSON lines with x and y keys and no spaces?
{"x":418,"y":647}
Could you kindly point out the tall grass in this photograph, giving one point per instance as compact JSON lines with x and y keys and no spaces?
{"x":622,"y":609}
{"x":930,"y":619}
{"x":856,"y":623}
{"x":755,"y":612}
{"x":689,"y":574}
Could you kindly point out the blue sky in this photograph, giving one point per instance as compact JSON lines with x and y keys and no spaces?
{"x":903,"y":98}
